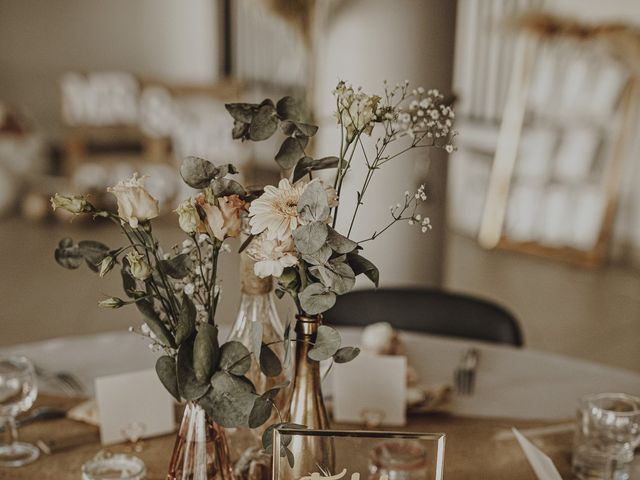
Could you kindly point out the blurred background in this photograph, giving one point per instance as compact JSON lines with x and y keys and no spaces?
{"x":538,"y":209}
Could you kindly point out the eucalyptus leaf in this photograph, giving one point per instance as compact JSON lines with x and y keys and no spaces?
{"x":197,"y":172}
{"x":242,"y":112}
{"x":230,"y":400}
{"x":359,"y":264}
{"x":235,"y":358}
{"x":267,"y":435}
{"x":269,"y":362}
{"x":338,"y":277}
{"x":166,"y":370}
{"x":339,"y":243}
{"x":307,"y":164}
{"x":188,"y":385}
{"x":157,"y":326}
{"x":287,"y":341}
{"x":346,"y":354}
{"x":292,"y":128}
{"x":326,"y":344}
{"x":316,"y":298}
{"x":186,"y":320}
{"x":260,"y":412}
{"x":223,"y":187}
{"x":313,"y":204}
{"x":240,"y":130}
{"x":272,"y":392}
{"x":93,"y":253}
{"x":289,"y":108}
{"x":206,"y":352}
{"x":263,"y":124}
{"x":68,"y":255}
{"x":291,"y":150}
{"x":178,"y":266}
{"x":320,"y":256}
{"x":311,"y":237}
{"x":289,"y":454}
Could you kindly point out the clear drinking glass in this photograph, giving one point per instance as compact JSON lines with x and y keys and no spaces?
{"x":398,"y":460}
{"x":105,"y":466}
{"x":607,"y":433}
{"x":18,"y":391}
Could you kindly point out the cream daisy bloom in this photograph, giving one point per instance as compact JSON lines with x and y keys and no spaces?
{"x":275,"y":212}
{"x":271,"y":256}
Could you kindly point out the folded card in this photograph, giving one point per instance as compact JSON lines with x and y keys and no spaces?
{"x":541,"y":464}
{"x":132,"y":406}
{"x":371,"y":389}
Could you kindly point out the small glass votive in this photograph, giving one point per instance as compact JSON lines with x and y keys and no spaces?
{"x":114,"y":467}
{"x":607,"y":433}
{"x":398,"y":460}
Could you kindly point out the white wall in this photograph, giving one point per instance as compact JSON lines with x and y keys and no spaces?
{"x":366,"y":42}
{"x":40,"y":40}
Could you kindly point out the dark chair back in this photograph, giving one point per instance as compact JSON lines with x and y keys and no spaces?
{"x":427,"y":310}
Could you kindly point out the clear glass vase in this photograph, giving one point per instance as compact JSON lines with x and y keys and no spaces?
{"x":201,"y":451}
{"x":258,"y":318}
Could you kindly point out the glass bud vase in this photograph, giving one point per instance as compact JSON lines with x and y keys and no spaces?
{"x":258,"y":318}
{"x":307,"y":405}
{"x":201,"y":451}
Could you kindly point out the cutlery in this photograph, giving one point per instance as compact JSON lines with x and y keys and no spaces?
{"x":64,"y":381}
{"x":465,"y":374}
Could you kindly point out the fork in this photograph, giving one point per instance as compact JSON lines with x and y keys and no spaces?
{"x":66,"y":382}
{"x":465,"y":374}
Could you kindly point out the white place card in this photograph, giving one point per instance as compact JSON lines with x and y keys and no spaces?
{"x":133,"y":402}
{"x":541,"y":464}
{"x":371,"y":386}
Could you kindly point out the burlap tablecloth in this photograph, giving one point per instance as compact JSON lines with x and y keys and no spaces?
{"x":471,"y":450}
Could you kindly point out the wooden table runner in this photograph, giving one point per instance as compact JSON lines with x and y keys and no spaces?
{"x":471,"y":450}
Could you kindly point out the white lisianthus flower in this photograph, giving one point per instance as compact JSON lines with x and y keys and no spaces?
{"x":271,"y":256}
{"x":275,"y":212}
{"x":106,"y":265}
{"x":135,"y":204}
{"x":377,"y":337}
{"x":75,"y":204}
{"x":139,"y":268}
{"x":188,"y":217}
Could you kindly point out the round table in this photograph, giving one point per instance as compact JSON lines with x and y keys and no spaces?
{"x":511,"y":382}
{"x":514,"y":387}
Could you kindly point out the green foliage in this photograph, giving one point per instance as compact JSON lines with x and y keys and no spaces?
{"x":235,"y":358}
{"x":269,"y":362}
{"x":186,"y":320}
{"x":346,"y":354}
{"x":189,"y":386}
{"x":230,"y":400}
{"x":316,"y":298}
{"x":70,"y":256}
{"x":166,"y":370}
{"x":177,"y":267}
{"x":157,"y":326}
{"x":326,"y":344}
{"x":291,"y":151}
{"x":359,"y":264}
{"x":206,"y":352}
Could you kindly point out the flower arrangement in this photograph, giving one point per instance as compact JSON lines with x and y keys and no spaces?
{"x":293,"y":239}
{"x":177,"y":292}
{"x":293,"y":225}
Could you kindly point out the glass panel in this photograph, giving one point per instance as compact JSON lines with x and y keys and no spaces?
{"x":356,"y":455}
